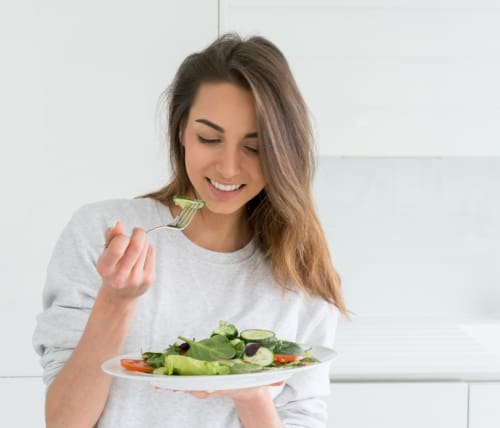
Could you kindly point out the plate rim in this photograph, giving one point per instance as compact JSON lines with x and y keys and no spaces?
{"x":112,"y":367}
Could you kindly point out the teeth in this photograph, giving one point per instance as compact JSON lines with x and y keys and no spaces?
{"x":225,"y":187}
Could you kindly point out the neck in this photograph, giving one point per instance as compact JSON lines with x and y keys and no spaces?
{"x":218,"y":232}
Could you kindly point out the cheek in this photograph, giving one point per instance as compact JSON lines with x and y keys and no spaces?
{"x":193,"y":159}
{"x":258,"y":175}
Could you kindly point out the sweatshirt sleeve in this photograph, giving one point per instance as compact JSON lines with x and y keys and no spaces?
{"x":300,"y":403}
{"x":71,"y":286}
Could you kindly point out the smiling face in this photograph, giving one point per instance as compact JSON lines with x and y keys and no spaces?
{"x":222,"y":148}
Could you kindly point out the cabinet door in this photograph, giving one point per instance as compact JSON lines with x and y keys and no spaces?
{"x":23,"y":400}
{"x":484,"y":405}
{"x":396,"y":405}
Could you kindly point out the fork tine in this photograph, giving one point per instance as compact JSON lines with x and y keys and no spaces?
{"x":187,"y":218}
{"x":185,"y":213}
{"x":182,"y":220}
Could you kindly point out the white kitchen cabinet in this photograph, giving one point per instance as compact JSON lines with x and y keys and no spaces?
{"x":22,"y":401}
{"x":484,"y":405}
{"x":386,"y":78}
{"x":398,"y":404}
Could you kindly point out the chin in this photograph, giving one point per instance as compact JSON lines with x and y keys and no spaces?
{"x":224,"y":208}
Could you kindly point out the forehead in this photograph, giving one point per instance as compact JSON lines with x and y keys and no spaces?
{"x":225,"y":104}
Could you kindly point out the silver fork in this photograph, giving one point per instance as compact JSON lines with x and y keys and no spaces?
{"x":182,"y":220}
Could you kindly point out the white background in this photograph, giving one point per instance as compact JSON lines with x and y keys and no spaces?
{"x":80,"y":81}
{"x":389,"y":77}
{"x":80,"y":84}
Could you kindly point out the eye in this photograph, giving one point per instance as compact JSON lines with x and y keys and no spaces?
{"x":252,"y":149}
{"x":208,"y":140}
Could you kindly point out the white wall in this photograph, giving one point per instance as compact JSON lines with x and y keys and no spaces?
{"x":414,"y":236}
{"x":79,"y":84}
{"x":389,"y":77}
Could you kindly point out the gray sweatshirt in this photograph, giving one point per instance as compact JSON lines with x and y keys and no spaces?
{"x":194,"y":289}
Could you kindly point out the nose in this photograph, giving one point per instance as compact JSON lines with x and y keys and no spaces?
{"x":228,"y":164}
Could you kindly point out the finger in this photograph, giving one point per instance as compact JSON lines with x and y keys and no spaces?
{"x":137,"y":275}
{"x":106,"y":265}
{"x":132,"y":254}
{"x":199,"y":394}
{"x":111,"y":232}
{"x":150,"y":265}
{"x":280,"y":383}
{"x":175,"y":391}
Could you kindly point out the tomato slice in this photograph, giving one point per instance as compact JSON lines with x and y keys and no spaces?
{"x":136,"y":365}
{"x":282,"y":359}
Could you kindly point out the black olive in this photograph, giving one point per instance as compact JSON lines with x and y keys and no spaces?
{"x":252,"y":348}
{"x":184,"y":346}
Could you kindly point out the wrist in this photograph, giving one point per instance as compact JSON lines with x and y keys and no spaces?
{"x":256,"y":409}
{"x":114,"y":302}
{"x":252,"y":397}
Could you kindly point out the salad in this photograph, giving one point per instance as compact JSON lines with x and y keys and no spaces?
{"x":225,"y":352}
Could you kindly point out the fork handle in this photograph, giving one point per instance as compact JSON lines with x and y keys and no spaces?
{"x":157,"y":227}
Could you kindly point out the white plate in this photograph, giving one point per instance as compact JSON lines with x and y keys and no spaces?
{"x":216,"y":382}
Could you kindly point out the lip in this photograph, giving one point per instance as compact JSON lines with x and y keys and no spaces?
{"x":220,"y":194}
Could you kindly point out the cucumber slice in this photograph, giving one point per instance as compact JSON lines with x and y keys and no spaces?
{"x":263,"y":357}
{"x":185,"y":202}
{"x":257,"y":336}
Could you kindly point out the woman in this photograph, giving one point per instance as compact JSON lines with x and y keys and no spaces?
{"x":255,"y":256}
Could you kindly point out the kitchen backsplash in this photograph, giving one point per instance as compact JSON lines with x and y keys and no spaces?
{"x":414,"y":236}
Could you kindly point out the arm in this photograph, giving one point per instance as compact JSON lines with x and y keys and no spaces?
{"x":81,"y":384}
{"x":258,"y":411}
{"x":299,"y":404}
{"x":127,"y":268}
{"x":255,"y":406}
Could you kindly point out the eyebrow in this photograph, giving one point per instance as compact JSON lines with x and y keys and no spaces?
{"x":221,"y":129}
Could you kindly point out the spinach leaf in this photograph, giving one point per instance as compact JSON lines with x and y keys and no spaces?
{"x":174,"y":349}
{"x":212,"y":349}
{"x":226,"y":329}
{"x":154,"y":359}
{"x":239,"y":347}
{"x":289,"y":348}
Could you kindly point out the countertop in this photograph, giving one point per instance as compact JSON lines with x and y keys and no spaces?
{"x":412,"y":349}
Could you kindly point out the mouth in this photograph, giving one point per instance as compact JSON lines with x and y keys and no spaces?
{"x":225,"y":187}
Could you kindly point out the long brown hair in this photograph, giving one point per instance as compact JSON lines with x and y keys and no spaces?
{"x":282,"y":217}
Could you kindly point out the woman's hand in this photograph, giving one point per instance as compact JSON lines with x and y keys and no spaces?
{"x":127,"y":265}
{"x":243,"y":394}
{"x":255,"y":406}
